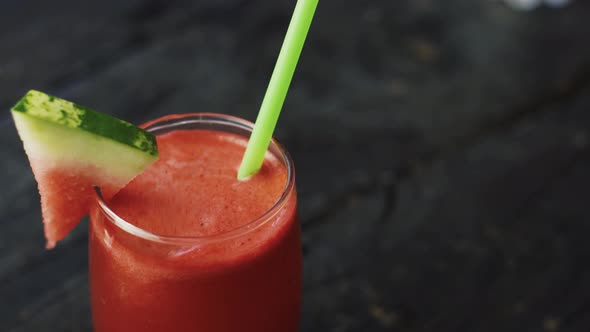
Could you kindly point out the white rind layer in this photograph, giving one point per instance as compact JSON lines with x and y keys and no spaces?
{"x":59,"y":145}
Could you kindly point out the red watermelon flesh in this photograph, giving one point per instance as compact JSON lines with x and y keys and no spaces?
{"x":67,"y":194}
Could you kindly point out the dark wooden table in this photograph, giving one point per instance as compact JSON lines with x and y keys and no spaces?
{"x":442,"y":149}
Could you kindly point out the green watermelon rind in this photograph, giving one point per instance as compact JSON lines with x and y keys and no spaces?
{"x":49,"y":109}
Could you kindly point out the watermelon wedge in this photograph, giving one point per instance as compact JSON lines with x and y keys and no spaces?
{"x":71,"y":149}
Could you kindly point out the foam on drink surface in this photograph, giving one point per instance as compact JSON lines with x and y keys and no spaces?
{"x":193,"y":191}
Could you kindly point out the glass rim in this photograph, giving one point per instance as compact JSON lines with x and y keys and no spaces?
{"x":175,"y":120}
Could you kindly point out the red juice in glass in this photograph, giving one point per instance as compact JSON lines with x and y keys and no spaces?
{"x":187,"y":247}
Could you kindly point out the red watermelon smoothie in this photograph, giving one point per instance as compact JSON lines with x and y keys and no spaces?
{"x":187,"y":247}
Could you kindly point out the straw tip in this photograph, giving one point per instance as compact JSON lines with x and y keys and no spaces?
{"x":243,"y":174}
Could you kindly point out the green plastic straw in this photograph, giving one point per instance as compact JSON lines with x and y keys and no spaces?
{"x":277,"y":88}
